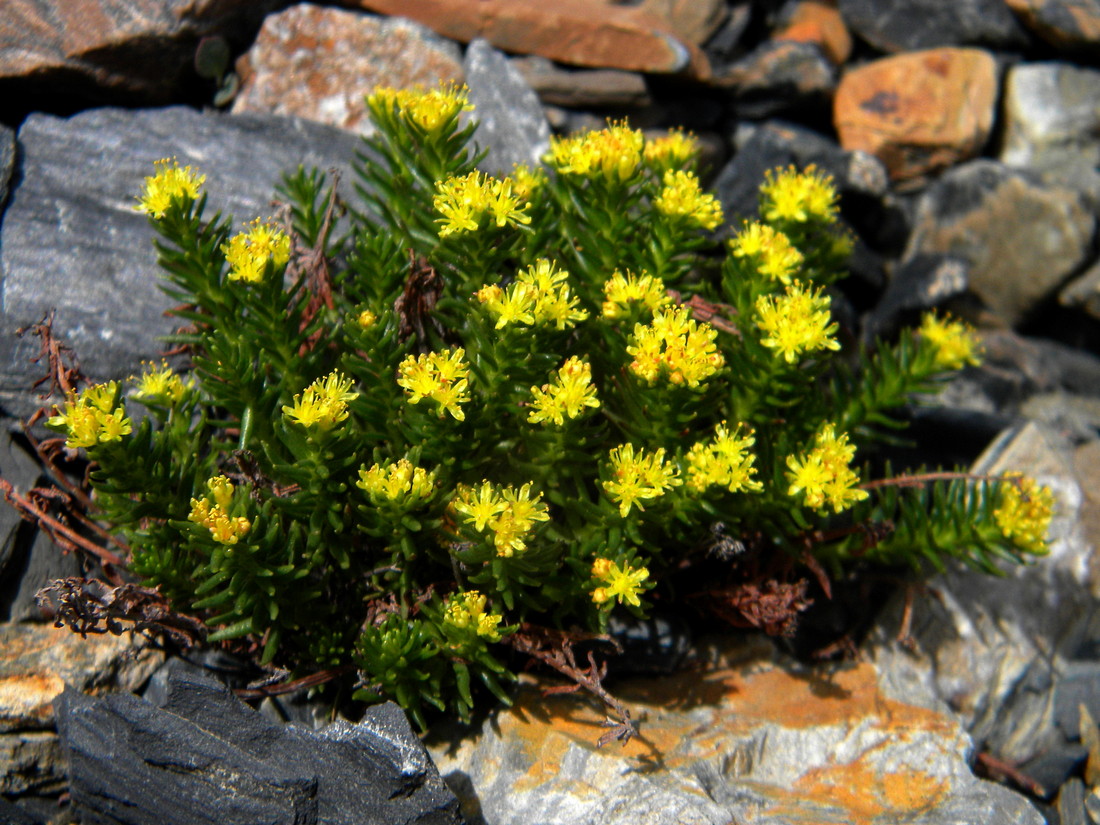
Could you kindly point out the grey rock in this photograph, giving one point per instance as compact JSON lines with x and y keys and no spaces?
{"x":15,"y":815}
{"x":7,"y":164}
{"x":1052,"y":124}
{"x":1074,"y":417}
{"x":71,"y":240}
{"x":918,"y":283}
{"x":1021,"y":239}
{"x":779,"y":77}
{"x":909,"y":25}
{"x":206,"y":757}
{"x":582,"y":88}
{"x":1083,"y":291}
{"x":512,"y":124}
{"x":32,"y":763}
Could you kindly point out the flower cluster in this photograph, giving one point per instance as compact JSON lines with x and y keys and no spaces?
{"x":1024,"y":512}
{"x":675,"y":346}
{"x":441,"y":376}
{"x":429,"y":109}
{"x":796,"y":322}
{"x":212,"y":512}
{"x":249,"y":253}
{"x":92,"y":417}
{"x":465,"y":201}
{"x":620,"y":583}
{"x":568,"y":395}
{"x":159,"y":386}
{"x":169,"y":184}
{"x":399,"y":482}
{"x":683,"y":197}
{"x":622,"y":291}
{"x":467,"y":611}
{"x":675,"y":150}
{"x":955,"y":343}
{"x":638,"y":477}
{"x":509,"y":514}
{"x":798,"y":197}
{"x":768,"y":250}
{"x":613,"y":153}
{"x":824,"y":475}
{"x":539,"y":296}
{"x":724,"y":461}
{"x":324,"y":403}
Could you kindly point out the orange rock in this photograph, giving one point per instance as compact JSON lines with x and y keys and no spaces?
{"x":818,"y":21}
{"x":918,"y":112}
{"x":1068,"y":24}
{"x":577,"y":32}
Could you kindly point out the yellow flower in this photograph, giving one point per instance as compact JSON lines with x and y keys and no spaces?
{"x":675,"y":150}
{"x":676,"y":347}
{"x":170,"y":183}
{"x":396,"y":482}
{"x":366,"y":319}
{"x":620,"y":291}
{"x":526,"y":181}
{"x":798,"y":197}
{"x":539,"y":296}
{"x":683,"y":197}
{"x":566,"y":396}
{"x":824,"y":475}
{"x":1024,"y":512}
{"x":723,"y":462}
{"x":797,"y":322}
{"x":769,"y":250}
{"x":509,"y":514}
{"x":92,"y":417}
{"x":955,"y":342}
{"x":159,"y":386}
{"x":322,"y":404}
{"x":465,"y":201}
{"x":638,"y":477}
{"x":429,"y":109}
{"x":248,"y":253}
{"x":467,"y":610}
{"x":613,"y":153}
{"x":441,"y":376}
{"x":224,"y":529}
{"x":621,"y":583}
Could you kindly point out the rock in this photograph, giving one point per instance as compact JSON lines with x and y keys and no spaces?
{"x":320,"y":63}
{"x":779,"y":144}
{"x":1084,"y":291}
{"x":1020,"y":238}
{"x":918,"y":112}
{"x":7,"y":162}
{"x":726,"y":43}
{"x":1052,"y":124}
{"x":780,"y":76}
{"x":511,"y":123}
{"x":72,"y":241}
{"x":71,"y":53}
{"x":919,"y":283}
{"x":995,"y":648}
{"x":15,"y":815}
{"x":1072,"y":25}
{"x":577,"y":32}
{"x":747,"y":740}
{"x":32,"y":764}
{"x":583,"y":88}
{"x":908,"y":25}
{"x":37,"y":661}
{"x":206,"y":757}
{"x":818,"y":22}
{"x":1071,"y":416}
{"x":693,"y":21}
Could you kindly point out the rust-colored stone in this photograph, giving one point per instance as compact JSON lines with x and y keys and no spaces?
{"x":693,"y":21}
{"x":918,"y":112}
{"x":1068,"y":24}
{"x":320,"y":63}
{"x":577,"y":32}
{"x":818,"y":21}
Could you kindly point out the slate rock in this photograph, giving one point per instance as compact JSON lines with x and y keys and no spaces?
{"x":1083,"y":291}
{"x":693,"y":21}
{"x":65,"y":54}
{"x":1052,"y":124}
{"x":71,"y":240}
{"x":918,"y":112}
{"x":11,"y":814}
{"x":728,"y":43}
{"x":583,"y":88}
{"x":916,"y":284}
{"x":908,"y":25}
{"x":577,"y":32}
{"x":743,"y":736}
{"x":30,"y":763}
{"x":1020,"y":238}
{"x":511,"y":123}
{"x":1070,"y":25}
{"x":779,"y":77}
{"x":7,"y":163}
{"x":818,"y":22}
{"x":133,"y":763}
{"x":320,"y":63}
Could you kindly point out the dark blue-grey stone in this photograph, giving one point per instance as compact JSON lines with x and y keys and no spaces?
{"x":7,"y":162}
{"x":908,"y":25}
